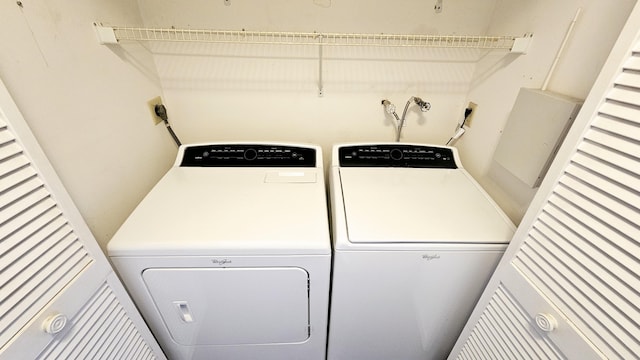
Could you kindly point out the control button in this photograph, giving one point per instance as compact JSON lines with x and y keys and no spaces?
{"x":396,"y":154}
{"x":250,"y":154}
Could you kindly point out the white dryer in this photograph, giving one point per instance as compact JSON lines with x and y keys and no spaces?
{"x":229,"y":256}
{"x":416,"y":240}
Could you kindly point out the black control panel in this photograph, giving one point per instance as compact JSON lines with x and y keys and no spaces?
{"x":250,"y":155}
{"x":400,"y":155}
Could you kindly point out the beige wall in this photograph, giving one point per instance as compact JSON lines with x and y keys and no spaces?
{"x":497,"y":80}
{"x":263,"y":92}
{"x":270,"y":92}
{"x":86,"y":102}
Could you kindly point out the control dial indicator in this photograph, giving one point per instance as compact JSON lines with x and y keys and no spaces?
{"x":250,"y":154}
{"x":396,"y":154}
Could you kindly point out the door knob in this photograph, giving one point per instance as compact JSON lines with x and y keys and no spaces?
{"x":546,"y":322}
{"x":54,"y":323}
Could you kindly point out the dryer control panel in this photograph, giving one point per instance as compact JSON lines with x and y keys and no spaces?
{"x":248,"y":155}
{"x":400,"y":155}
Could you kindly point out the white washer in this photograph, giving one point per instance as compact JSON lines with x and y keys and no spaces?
{"x":229,"y":255}
{"x":416,"y":240}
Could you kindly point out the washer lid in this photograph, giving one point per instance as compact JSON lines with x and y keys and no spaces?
{"x":229,"y":211}
{"x":411,"y":205}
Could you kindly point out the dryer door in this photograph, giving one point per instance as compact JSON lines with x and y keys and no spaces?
{"x":231,"y":306}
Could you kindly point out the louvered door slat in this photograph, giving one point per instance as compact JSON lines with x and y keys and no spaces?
{"x":623,"y":146}
{"x":119,"y":347}
{"x":20,"y":191}
{"x":610,"y":172}
{"x":612,"y":158}
{"x":109,"y":339}
{"x":42,"y":275}
{"x":628,"y":79}
{"x":622,"y":194}
{"x":589,"y":225}
{"x":30,"y":249}
{"x":601,"y":199}
{"x":100,"y":328}
{"x":595,"y":210}
{"x":11,"y":164}
{"x":103,"y":318}
{"x":594,"y":271}
{"x":26,"y":222}
{"x":606,"y":275}
{"x":623,"y":95}
{"x":12,"y":172}
{"x":9,"y":150}
{"x":609,"y":257}
{"x":489,"y":333}
{"x":502,"y":310}
{"x":617,"y":126}
{"x":5,"y":136}
{"x":585,"y":235}
{"x":633,"y":63}
{"x":93,"y":332}
{"x":38,"y":199}
{"x":620,"y":111}
{"x":19,"y":230}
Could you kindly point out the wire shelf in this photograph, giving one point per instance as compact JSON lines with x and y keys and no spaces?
{"x":117,"y":34}
{"x":301,"y":38}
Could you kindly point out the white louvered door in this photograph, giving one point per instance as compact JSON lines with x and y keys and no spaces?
{"x":569,"y":285}
{"x":51,"y":267}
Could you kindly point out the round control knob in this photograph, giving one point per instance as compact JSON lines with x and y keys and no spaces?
{"x":250,"y":154}
{"x":396,"y":154}
{"x":54,"y":323}
{"x":546,"y":322}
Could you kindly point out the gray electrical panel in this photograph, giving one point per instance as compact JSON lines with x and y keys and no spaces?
{"x":535,"y":130}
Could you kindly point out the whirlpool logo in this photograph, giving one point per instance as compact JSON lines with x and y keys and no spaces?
{"x":221,"y":262}
{"x":430,"y":257}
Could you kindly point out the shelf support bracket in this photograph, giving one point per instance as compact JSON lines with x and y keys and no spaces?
{"x":521,"y":44}
{"x":106,"y":35}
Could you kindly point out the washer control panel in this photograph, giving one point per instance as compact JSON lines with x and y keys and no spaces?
{"x":400,"y":155}
{"x":248,"y":155}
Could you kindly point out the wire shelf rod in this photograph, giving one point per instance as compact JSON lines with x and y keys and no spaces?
{"x":121,"y":33}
